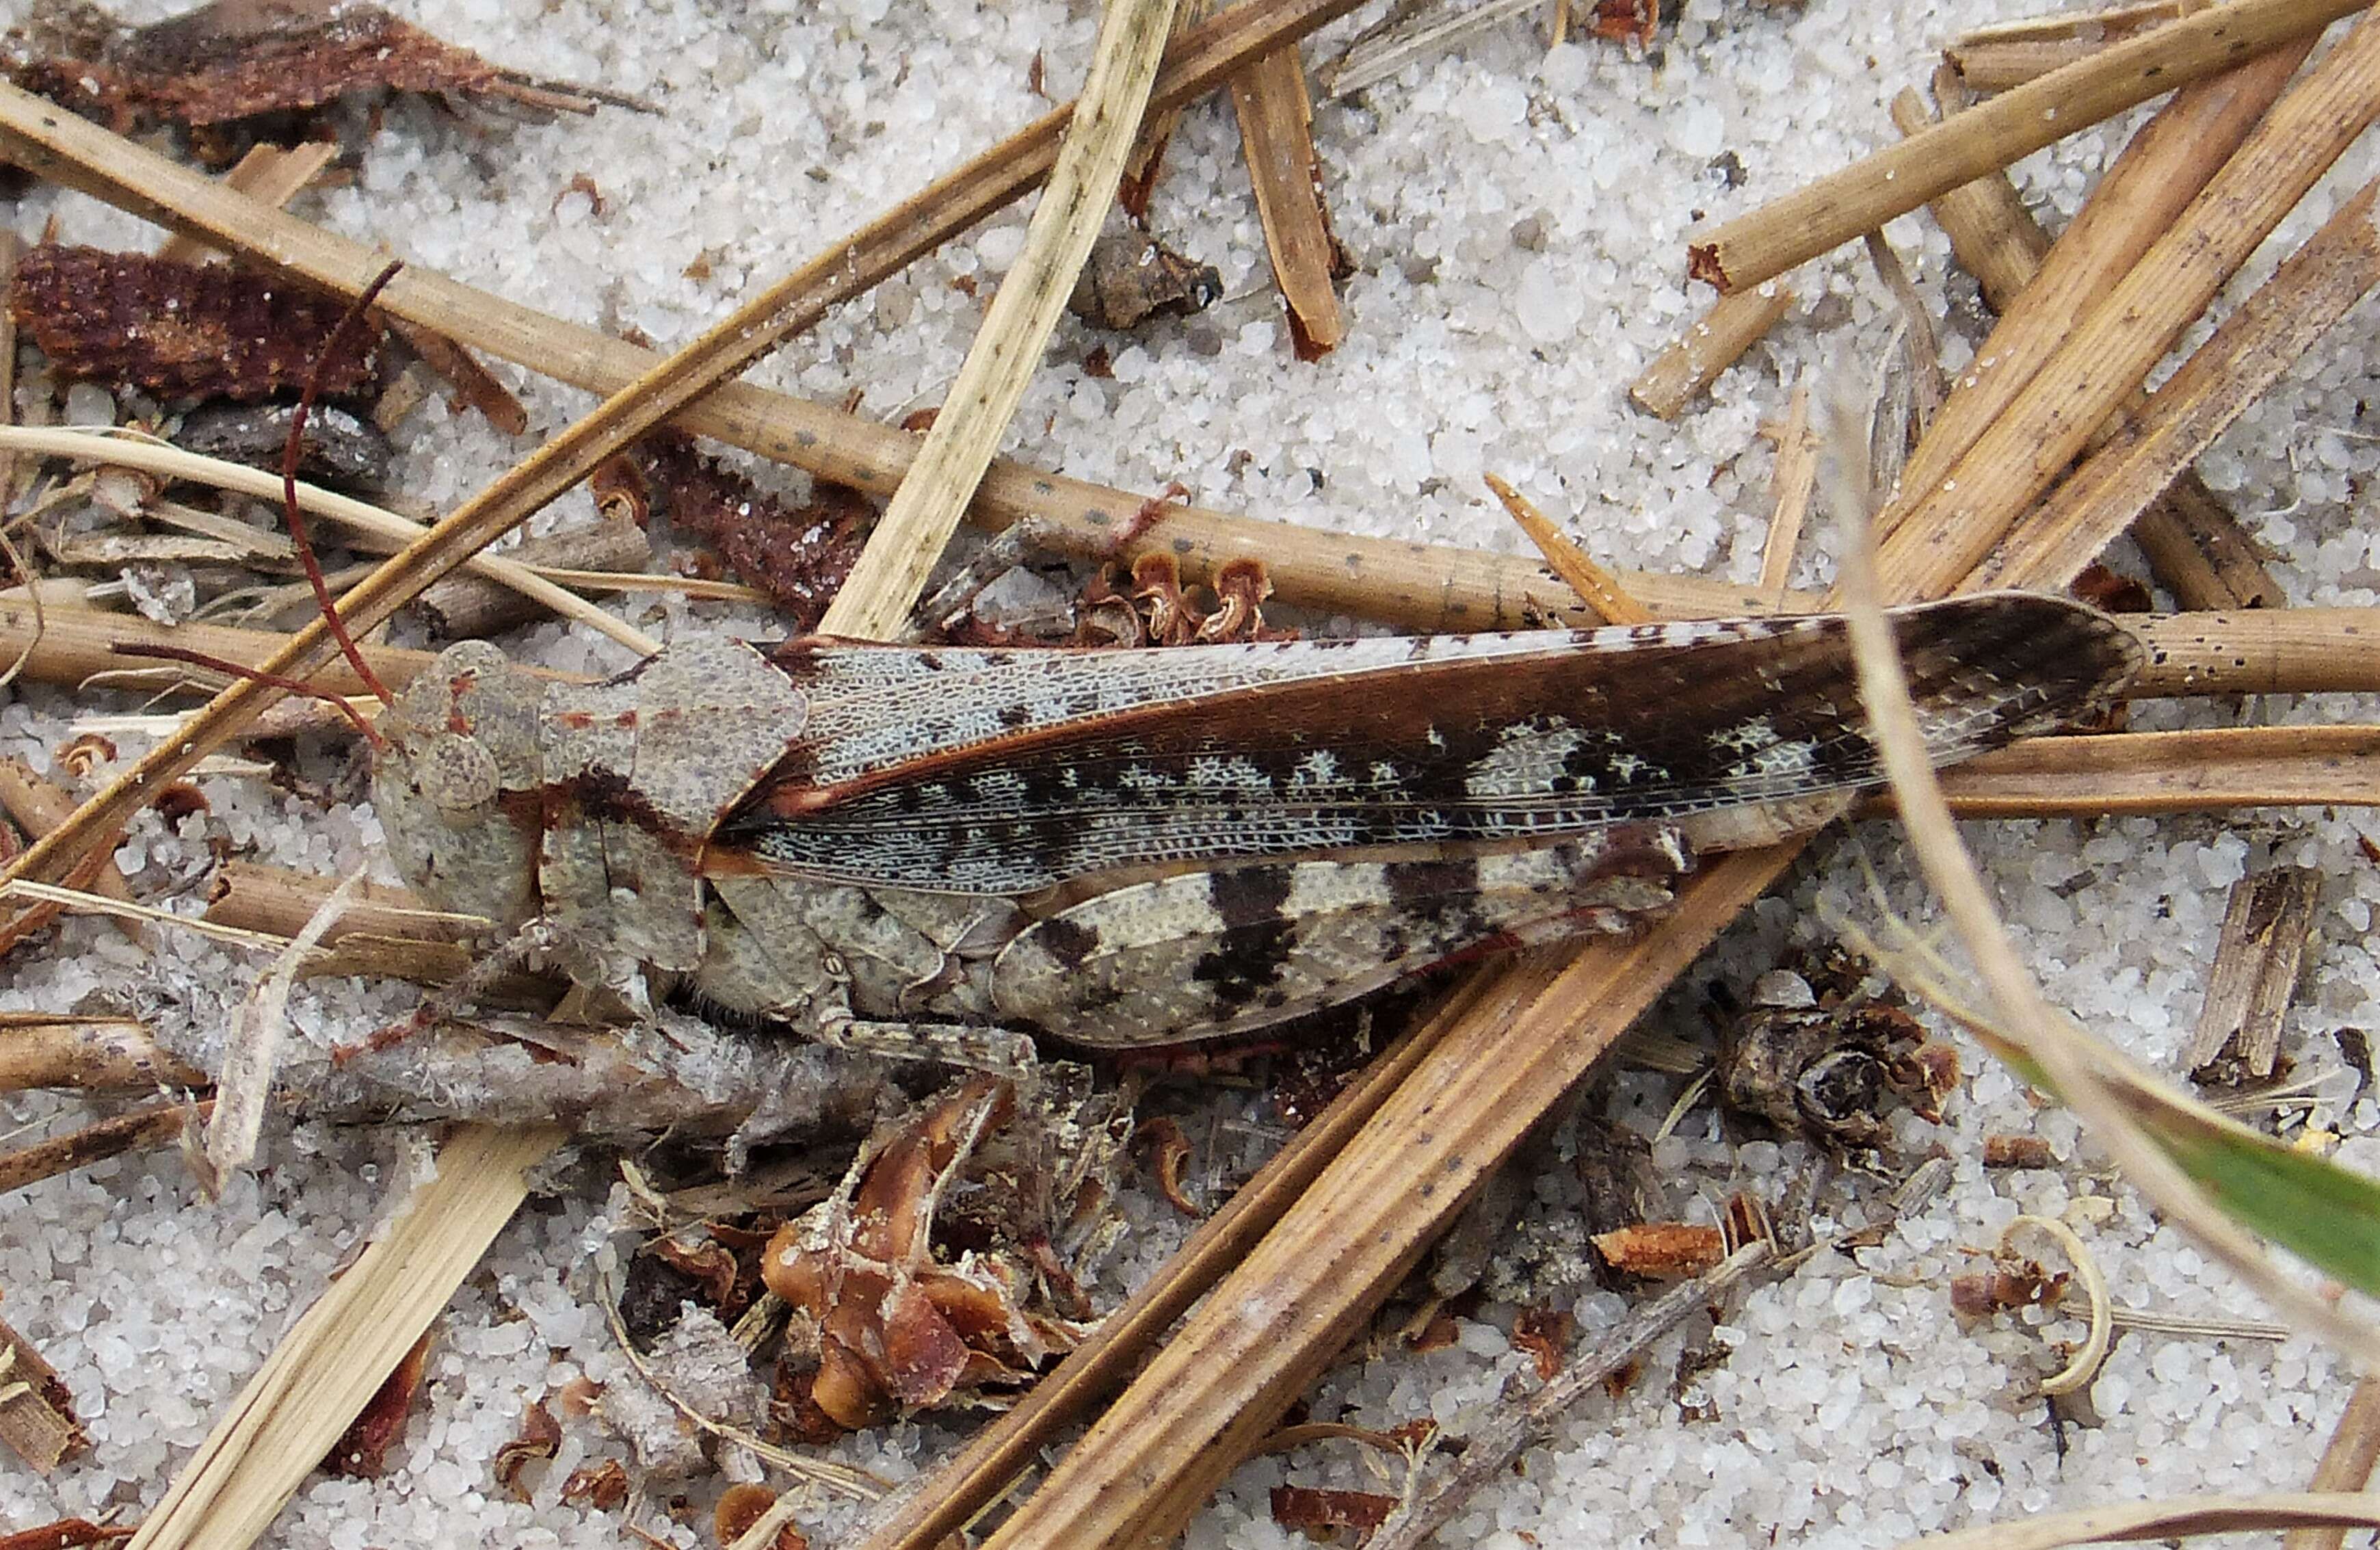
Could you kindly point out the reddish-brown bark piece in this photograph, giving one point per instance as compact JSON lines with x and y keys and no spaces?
{"x":798,"y":554}
{"x":236,"y":60}
{"x":37,"y":1421}
{"x":361,"y":1452}
{"x":66,"y":1534}
{"x":184,"y":330}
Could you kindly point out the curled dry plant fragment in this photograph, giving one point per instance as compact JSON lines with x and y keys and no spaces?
{"x":1131,"y":278}
{"x":935,"y":1273}
{"x":235,"y":60}
{"x":740,"y":1510}
{"x":540,"y":1438}
{"x":184,"y":330}
{"x":602,"y":1486}
{"x":37,"y":1417}
{"x":798,"y":554}
{"x":1823,"y":1048}
{"x":1544,"y":1334}
{"x":1661,"y":1251}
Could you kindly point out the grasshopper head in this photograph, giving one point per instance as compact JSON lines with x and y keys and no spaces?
{"x":457,"y":785}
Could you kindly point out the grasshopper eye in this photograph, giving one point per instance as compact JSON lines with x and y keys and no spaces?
{"x":456,"y":772}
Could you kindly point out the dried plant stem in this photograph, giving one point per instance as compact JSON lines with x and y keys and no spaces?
{"x":2167,"y":772}
{"x":1839,"y":207}
{"x":153,"y":1125}
{"x":1789,"y":486}
{"x":2103,"y":359}
{"x":37,"y":805}
{"x":294,"y":1407}
{"x":268,"y":174}
{"x":2174,"y":1518}
{"x":78,"y":644}
{"x":1710,"y":346}
{"x":93,"y":1054}
{"x":1378,"y":577}
{"x":2312,"y":290}
{"x":2259,"y":650}
{"x":393,"y":532}
{"x":1994,"y":237}
{"x":2143,"y":192}
{"x":1519,"y":1427}
{"x":2197,"y":549}
{"x":2347,"y":1464}
{"x":1277,"y":136}
{"x":926,"y":509}
{"x":1995,"y":58}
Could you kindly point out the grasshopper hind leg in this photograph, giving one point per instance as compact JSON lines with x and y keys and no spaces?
{"x":814,"y":960}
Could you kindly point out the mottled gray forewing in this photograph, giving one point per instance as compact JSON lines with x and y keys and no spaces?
{"x":1005,"y":771}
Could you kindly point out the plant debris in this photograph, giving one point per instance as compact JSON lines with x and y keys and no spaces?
{"x":338,"y":449}
{"x":1822,"y":1048}
{"x":1330,"y":1516}
{"x":184,"y":330}
{"x":210,"y":69}
{"x":540,"y":1439}
{"x":2266,"y":922}
{"x":1661,"y":1251}
{"x":37,"y":1417}
{"x":798,"y":554}
{"x":918,"y":1284}
{"x":1132,"y":278}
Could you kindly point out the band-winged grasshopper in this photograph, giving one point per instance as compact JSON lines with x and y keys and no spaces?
{"x":888,"y":843}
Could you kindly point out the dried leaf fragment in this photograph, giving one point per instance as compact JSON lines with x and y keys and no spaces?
{"x":1330,"y":1516}
{"x":1545,"y":1334}
{"x":37,"y":1418}
{"x":740,"y":1508}
{"x":1661,"y":1251}
{"x":66,"y":1534}
{"x":183,"y":329}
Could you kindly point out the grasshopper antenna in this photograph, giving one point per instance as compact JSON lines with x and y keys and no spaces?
{"x":239,"y":670}
{"x":291,"y":450}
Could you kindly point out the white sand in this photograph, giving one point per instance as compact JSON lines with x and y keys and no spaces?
{"x":1517,"y":220}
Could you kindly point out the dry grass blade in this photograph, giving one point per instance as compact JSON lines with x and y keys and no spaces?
{"x":294,"y":1409}
{"x":1839,"y":207}
{"x":2338,"y":265}
{"x":168,"y":461}
{"x":1994,"y":237}
{"x":1377,"y":578}
{"x":1791,"y":483}
{"x":2167,"y":772}
{"x":2262,"y":651}
{"x":2347,"y":1464}
{"x":1595,"y":587}
{"x":2143,"y":193}
{"x":77,"y":645}
{"x":1711,"y":345}
{"x":1277,"y":134}
{"x":2176,"y":1517}
{"x":2082,"y":1073}
{"x":934,"y":492}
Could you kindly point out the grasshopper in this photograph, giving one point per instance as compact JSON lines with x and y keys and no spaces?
{"x":961,"y":849}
